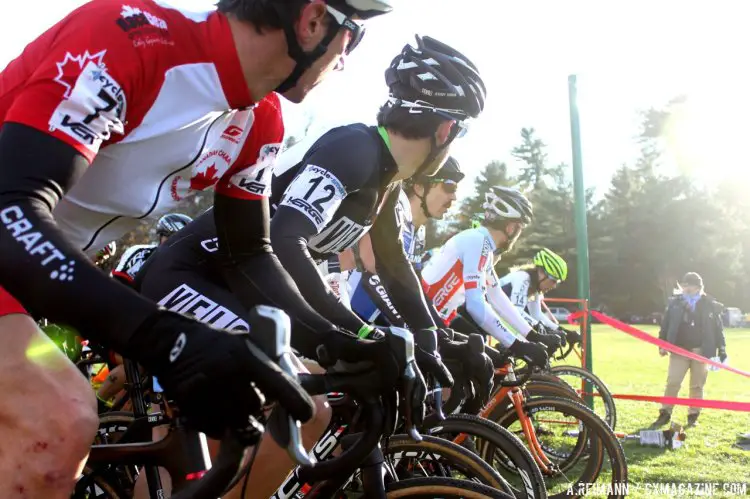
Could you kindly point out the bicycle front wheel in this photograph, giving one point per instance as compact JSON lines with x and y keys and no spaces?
{"x":499,"y":448}
{"x":435,"y":456}
{"x":604,"y":404}
{"x":556,"y":422}
{"x":444,"y":488}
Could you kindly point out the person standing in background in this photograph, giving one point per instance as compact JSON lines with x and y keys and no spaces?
{"x":693,"y":322}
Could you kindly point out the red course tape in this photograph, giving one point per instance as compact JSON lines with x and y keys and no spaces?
{"x":642,"y":335}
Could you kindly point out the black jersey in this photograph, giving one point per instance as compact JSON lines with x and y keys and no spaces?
{"x":323,"y":200}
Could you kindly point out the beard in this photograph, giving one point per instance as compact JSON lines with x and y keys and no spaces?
{"x":509,"y":242}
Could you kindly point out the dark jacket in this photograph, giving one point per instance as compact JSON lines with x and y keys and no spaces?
{"x":708,"y":320}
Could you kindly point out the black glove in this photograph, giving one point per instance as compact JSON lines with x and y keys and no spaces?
{"x":722,"y":354}
{"x":217,"y":379}
{"x":551,"y":341}
{"x":483,"y":376}
{"x":560,"y":334}
{"x":428,"y":358}
{"x":534,"y":354}
{"x":573,"y":337}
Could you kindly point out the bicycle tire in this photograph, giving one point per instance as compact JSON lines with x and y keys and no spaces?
{"x":491,"y":435}
{"x":112,"y":482}
{"x":599,"y":387}
{"x":107,"y":485}
{"x":547,"y":385}
{"x":462,"y":459}
{"x":543,"y":389}
{"x":601,"y":437}
{"x":444,"y":488}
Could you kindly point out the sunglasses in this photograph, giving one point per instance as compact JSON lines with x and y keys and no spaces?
{"x":357,"y":30}
{"x":554,"y":279}
{"x":449,"y":186}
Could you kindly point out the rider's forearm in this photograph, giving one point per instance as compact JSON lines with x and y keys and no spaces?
{"x":290,"y":244}
{"x":505,"y":309}
{"x":481,"y":312}
{"x":251,"y":270}
{"x":378,"y":294}
{"x":395,"y":271}
{"x":535,"y":309}
{"x":38,"y":266}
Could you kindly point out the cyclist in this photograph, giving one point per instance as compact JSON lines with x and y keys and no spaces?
{"x":325,"y":198}
{"x":134,"y":257}
{"x":526,"y":285}
{"x":105,"y":254}
{"x":462,"y":272}
{"x":421,"y":199}
{"x":161,"y":103}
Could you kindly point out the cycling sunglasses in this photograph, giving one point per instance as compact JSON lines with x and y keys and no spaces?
{"x":555,"y":279}
{"x":448,"y":186}
{"x":357,"y":30}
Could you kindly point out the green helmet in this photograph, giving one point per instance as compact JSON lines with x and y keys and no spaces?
{"x":552,"y":264}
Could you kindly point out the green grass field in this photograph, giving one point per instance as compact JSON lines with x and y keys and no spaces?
{"x":630,"y":366}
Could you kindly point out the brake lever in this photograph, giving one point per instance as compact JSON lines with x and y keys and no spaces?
{"x":437,"y":393}
{"x":412,"y":386}
{"x":286,"y":431}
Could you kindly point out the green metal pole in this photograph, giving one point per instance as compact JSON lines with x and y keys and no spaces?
{"x":582,"y":240}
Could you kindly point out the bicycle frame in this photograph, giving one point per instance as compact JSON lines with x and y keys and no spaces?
{"x":330,"y":441}
{"x":518,"y":399}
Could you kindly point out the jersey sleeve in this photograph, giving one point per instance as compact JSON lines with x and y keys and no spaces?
{"x":249,"y":177}
{"x":476,"y":258}
{"x":75,"y":82}
{"x":131,"y":262}
{"x":535,"y":310}
{"x":394,"y":269}
{"x":513,"y":315}
{"x":331,"y":169}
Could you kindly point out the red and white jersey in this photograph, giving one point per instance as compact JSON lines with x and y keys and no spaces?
{"x":158,"y":104}
{"x":465,"y":262}
{"x":462,"y":272}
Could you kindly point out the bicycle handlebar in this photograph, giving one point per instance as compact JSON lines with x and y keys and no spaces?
{"x":567,"y":352}
{"x":510,"y":379}
{"x":367,"y":387}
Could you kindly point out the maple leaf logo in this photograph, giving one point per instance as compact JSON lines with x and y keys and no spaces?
{"x":71,"y":67}
{"x":204,"y":180}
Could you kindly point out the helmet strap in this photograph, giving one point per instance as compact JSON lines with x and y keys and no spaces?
{"x":423,"y":199}
{"x":303,"y":59}
{"x":434,"y":150}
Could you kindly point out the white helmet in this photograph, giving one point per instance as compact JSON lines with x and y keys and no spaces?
{"x":505,"y":203}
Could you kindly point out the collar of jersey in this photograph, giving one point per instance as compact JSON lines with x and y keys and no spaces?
{"x":389,"y":167}
{"x":384,"y":135}
{"x":487,"y":234}
{"x":227,"y":62}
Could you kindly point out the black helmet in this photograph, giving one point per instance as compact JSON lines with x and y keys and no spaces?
{"x":449,"y":172}
{"x":505,"y":203}
{"x":343,"y":12}
{"x":436,"y":77}
{"x":171,"y":223}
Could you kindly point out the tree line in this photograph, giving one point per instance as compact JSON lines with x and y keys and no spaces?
{"x":645,"y":231}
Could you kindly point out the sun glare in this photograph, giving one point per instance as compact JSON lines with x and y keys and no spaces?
{"x":706,"y":135}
